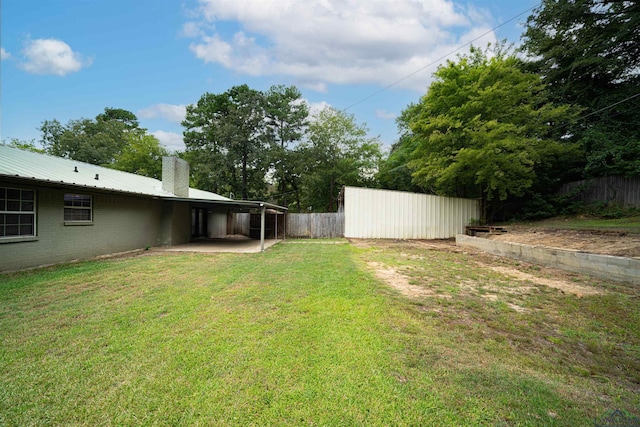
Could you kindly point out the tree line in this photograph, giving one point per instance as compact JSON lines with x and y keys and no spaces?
{"x":503,"y":125}
{"x":243,"y":143}
{"x":511,"y":126}
{"x":113,"y":139}
{"x":266,"y":145}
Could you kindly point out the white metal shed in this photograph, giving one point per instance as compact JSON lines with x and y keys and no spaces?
{"x":386,"y":214}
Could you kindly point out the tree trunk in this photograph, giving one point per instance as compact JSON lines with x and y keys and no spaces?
{"x":245,"y":193}
{"x":331,"y":196}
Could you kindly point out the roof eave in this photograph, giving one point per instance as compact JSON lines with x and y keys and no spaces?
{"x":247,"y":204}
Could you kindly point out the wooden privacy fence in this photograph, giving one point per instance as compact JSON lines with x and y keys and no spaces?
{"x":306,"y":225}
{"x":315,"y":225}
{"x":609,"y":189}
{"x":241,"y":223}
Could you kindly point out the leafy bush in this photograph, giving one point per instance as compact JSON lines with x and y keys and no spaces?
{"x":611,"y":211}
{"x":547,"y":206}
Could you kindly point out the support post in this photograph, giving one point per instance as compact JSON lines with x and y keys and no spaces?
{"x":262,"y":211}
{"x":276,"y":216}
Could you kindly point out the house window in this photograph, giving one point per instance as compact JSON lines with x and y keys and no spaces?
{"x":78,"y":208}
{"x":17,"y":212}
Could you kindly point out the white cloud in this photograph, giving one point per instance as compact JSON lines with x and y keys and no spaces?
{"x":173,"y":141}
{"x":51,"y":56}
{"x":172,"y":113}
{"x":316,"y":86}
{"x":4,"y":54}
{"x":213,"y":49}
{"x":385,"y":115}
{"x":191,"y":29}
{"x":335,"y":41}
{"x":316,"y":107}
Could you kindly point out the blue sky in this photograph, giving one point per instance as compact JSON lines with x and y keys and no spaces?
{"x":67,"y":59}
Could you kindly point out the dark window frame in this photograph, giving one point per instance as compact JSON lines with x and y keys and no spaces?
{"x":17,"y":213}
{"x":78,"y":208}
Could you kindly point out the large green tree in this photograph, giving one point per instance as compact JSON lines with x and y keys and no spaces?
{"x":113,"y":139}
{"x":588,"y":53}
{"x":287,"y":119}
{"x":337,"y":152}
{"x":394,"y":172}
{"x":86,"y":140}
{"x":263,"y":144}
{"x":226,"y":142}
{"x":142,"y":155}
{"x":206,"y":144}
{"x":486,"y":129}
{"x":127,"y":118}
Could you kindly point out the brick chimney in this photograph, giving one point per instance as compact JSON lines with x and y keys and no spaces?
{"x":175,"y":176}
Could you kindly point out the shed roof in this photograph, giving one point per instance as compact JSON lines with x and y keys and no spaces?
{"x":32,"y":166}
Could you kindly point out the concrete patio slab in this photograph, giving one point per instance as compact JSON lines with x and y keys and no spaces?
{"x":237,"y":244}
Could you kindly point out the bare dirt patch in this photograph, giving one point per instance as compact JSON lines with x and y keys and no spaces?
{"x":563,"y":285}
{"x":597,"y":242}
{"x":514,"y":307}
{"x":398,"y":281}
{"x":524,"y":277}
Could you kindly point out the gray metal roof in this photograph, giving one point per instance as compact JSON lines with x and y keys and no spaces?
{"x":23,"y":164}
{"x":18,"y":163}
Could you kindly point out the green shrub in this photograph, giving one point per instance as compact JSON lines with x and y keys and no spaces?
{"x":611,"y":211}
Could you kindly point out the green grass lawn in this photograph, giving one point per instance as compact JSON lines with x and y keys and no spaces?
{"x":305,"y":335}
